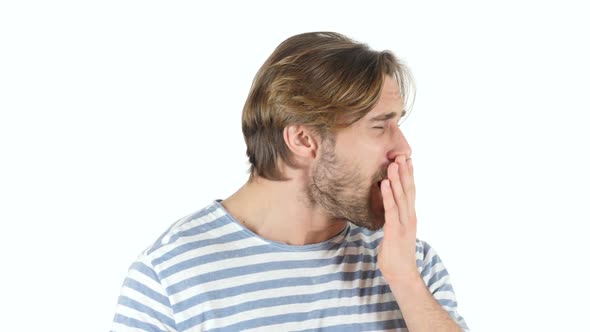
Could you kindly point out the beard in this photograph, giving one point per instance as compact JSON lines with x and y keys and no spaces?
{"x":341,"y":191}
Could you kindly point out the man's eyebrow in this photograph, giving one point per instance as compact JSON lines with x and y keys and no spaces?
{"x":387,"y":116}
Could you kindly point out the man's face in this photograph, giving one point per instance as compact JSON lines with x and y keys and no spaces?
{"x":346,"y":177}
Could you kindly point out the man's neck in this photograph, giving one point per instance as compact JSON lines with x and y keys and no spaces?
{"x":279,"y":211}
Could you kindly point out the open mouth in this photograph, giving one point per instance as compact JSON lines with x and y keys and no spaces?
{"x":377,"y":199}
{"x":377,"y":189}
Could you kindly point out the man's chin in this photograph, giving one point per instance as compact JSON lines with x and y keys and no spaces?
{"x":374,"y":223}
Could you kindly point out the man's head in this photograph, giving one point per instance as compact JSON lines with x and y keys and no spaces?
{"x":328,"y":106}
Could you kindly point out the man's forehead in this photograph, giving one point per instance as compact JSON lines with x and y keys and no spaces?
{"x":391,"y":87}
{"x":390,"y":103}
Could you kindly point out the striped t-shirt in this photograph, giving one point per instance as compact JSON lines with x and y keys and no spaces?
{"x":210,"y":273}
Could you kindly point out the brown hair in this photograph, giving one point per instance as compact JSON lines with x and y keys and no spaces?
{"x":322,"y":80}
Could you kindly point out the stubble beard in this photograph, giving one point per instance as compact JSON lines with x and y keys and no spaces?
{"x":341,"y":192}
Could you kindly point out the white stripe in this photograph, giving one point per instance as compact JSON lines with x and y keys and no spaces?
{"x":334,"y":321}
{"x":305,"y":308}
{"x":429,"y":256}
{"x":264,"y":276}
{"x":239,"y":244}
{"x":445,"y":295}
{"x":218,"y":232}
{"x":438,"y":267}
{"x":281,"y":256}
{"x":437,"y":284}
{"x":184,"y":224}
{"x":117,"y":327}
{"x":204,"y":250}
{"x":272,"y":293}
{"x":144,"y":299}
{"x":142,"y":317}
{"x":271,"y":277}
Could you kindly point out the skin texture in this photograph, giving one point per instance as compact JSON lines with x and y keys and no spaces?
{"x":336,"y":183}
{"x":396,"y":255}
{"x":345,"y":179}
{"x":337,"y":187}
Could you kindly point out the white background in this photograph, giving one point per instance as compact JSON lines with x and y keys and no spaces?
{"x":120,"y":117}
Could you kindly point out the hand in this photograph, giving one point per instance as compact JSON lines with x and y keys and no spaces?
{"x":397,"y":251}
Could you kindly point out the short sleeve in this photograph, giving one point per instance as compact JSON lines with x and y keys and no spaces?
{"x":143,"y":304}
{"x":438,"y":281}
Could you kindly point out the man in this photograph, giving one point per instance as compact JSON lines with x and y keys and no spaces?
{"x":323,"y":235}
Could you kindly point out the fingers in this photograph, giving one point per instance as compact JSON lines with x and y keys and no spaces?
{"x":389,"y":205}
{"x":399,"y":192}
{"x":406,"y":174}
{"x":401,"y":200}
{"x":411,"y":190}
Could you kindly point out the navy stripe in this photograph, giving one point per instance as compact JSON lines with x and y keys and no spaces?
{"x":341,"y":260}
{"x":366,"y":232}
{"x":229,"y":254}
{"x":362,"y":244}
{"x":132,"y":322}
{"x":244,"y":252}
{"x":429,"y":265}
{"x":284,"y":300}
{"x":271,"y":266}
{"x":203,"y":212}
{"x":202,"y":228}
{"x":158,"y":244}
{"x":145,"y":270}
{"x":427,"y":248}
{"x":437,"y":277}
{"x":330,"y":244}
{"x":143,"y":289}
{"x":130,"y":303}
{"x":420,"y":265}
{"x":419,"y":248}
{"x":368,"y":326}
{"x":200,"y":298}
{"x":447,"y":303}
{"x":303,"y":316}
{"x":216,"y":257}
{"x":445,"y":287}
{"x":197,"y":245}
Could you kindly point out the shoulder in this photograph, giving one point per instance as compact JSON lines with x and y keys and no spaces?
{"x":424,"y":249}
{"x":425,"y":254}
{"x":196,"y":224}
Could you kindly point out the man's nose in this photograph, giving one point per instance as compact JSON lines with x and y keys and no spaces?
{"x":399,"y":146}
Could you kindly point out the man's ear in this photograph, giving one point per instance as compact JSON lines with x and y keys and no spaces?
{"x":302,"y":141}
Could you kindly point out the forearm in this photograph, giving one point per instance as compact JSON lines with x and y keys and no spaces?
{"x":420,"y":310}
